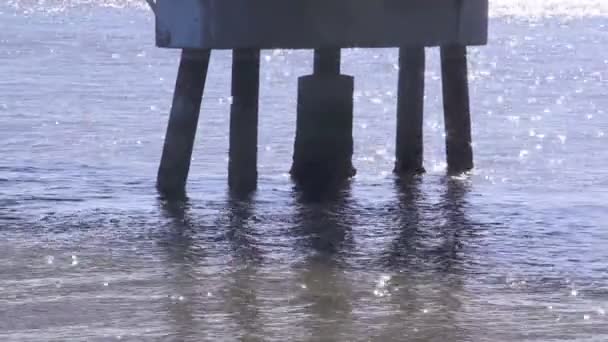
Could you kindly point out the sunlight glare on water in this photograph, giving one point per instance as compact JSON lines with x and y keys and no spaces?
{"x":517,"y":8}
{"x":515,"y":251}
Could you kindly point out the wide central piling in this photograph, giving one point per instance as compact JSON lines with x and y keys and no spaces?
{"x":323,"y":145}
{"x":327,"y":61}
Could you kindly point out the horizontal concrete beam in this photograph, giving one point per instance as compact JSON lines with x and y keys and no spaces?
{"x":310,"y":24}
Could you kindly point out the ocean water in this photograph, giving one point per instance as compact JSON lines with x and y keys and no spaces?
{"x":516,"y":251}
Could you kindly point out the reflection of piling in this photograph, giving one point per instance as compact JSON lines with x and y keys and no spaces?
{"x":456,"y":108}
{"x":324,"y":142}
{"x":410,"y":99}
{"x":242,"y":169}
{"x":181,"y":130}
{"x":323,"y":235}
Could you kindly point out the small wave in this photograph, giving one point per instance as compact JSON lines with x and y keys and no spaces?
{"x":52,"y":199}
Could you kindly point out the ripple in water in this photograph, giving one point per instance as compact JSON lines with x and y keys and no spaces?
{"x":514,"y":251}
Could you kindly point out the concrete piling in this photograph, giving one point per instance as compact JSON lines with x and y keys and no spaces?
{"x":410,"y":104}
{"x":327,"y":61}
{"x":456,"y":109}
{"x":181,"y":130}
{"x":242,"y":166}
{"x":323,"y":145}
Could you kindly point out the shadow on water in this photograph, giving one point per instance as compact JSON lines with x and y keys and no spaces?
{"x":426,"y":261}
{"x":402,"y":252}
{"x":324,"y":233}
{"x":228,"y":277}
{"x":429,"y":235}
{"x":323,"y":221}
{"x":456,"y":226}
{"x":181,"y":258}
{"x":206,"y":292}
{"x":180,"y":236}
{"x":241,"y":230}
{"x":240,"y":294}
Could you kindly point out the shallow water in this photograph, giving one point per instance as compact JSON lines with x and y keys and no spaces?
{"x":515,"y":252}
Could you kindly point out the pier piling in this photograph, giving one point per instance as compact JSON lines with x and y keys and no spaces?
{"x":410,"y":108}
{"x":327,"y":61}
{"x":181,"y":130}
{"x":323,"y":145}
{"x":242,"y":166}
{"x":457,"y":114}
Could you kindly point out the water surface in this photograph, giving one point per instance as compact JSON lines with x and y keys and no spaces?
{"x":514,"y":252}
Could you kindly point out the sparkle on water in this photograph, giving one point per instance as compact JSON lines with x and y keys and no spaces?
{"x":498,"y":8}
{"x":515,"y":251}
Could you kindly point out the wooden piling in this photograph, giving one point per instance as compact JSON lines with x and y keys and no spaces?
{"x":323,"y":145}
{"x":410,"y":108}
{"x":181,"y":129}
{"x":456,"y":109}
{"x":242,"y":166}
